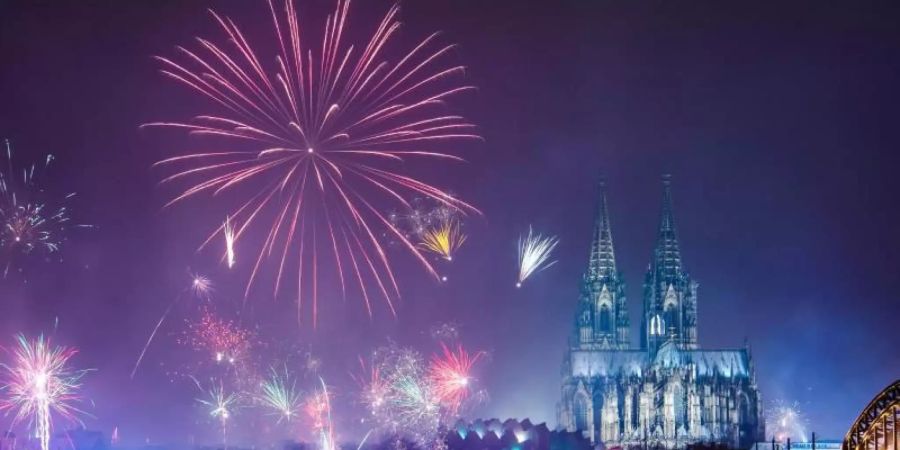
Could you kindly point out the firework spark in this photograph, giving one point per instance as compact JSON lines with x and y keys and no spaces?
{"x":220,"y":405}
{"x":200,"y":286}
{"x":31,"y":219}
{"x":450,"y":374}
{"x":229,"y":243}
{"x":787,"y":421}
{"x":406,"y":396}
{"x":330,"y":128}
{"x":444,"y":240}
{"x":280,"y":394}
{"x":40,"y":383}
{"x":534,"y":253}
{"x":223,"y":340}
{"x":318,"y":409}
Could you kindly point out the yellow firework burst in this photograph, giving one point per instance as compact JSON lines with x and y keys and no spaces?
{"x":444,"y":240}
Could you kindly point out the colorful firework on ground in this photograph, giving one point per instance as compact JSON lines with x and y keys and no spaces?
{"x":786,"y":421}
{"x":443,"y":240}
{"x":279,"y":393}
{"x":327,"y":133}
{"x":32,"y":220}
{"x":408,"y":397}
{"x":40,"y":384}
{"x":534,"y":254}
{"x":318,"y":410}
{"x":220,"y":404}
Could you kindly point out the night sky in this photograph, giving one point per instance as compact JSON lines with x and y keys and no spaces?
{"x":778,"y":124}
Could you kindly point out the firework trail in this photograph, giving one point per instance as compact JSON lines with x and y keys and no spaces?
{"x":229,"y":243}
{"x":200,"y":286}
{"x":450,"y":375}
{"x":31,"y":219}
{"x":534,"y":253}
{"x":40,"y":383}
{"x":330,"y":126}
{"x":444,"y":240}
{"x":280,"y":394}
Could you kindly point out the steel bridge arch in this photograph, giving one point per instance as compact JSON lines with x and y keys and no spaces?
{"x":876,"y":426}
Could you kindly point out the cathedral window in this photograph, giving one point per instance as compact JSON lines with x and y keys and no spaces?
{"x":605,"y":319}
{"x":581,"y":413}
{"x":671,"y":315}
{"x":680,"y":405}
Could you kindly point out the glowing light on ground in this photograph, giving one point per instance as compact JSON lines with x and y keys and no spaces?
{"x":39,"y":383}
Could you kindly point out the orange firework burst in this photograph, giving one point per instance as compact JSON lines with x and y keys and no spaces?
{"x":330,"y":130}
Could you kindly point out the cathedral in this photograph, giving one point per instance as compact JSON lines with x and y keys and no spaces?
{"x":667,"y":392}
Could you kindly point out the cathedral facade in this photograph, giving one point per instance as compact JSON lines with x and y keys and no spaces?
{"x":667,"y":391}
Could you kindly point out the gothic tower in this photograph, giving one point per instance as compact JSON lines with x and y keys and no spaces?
{"x":602,"y":315}
{"x":670,"y":295}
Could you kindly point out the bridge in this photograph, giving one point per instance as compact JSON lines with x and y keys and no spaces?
{"x":876,"y":426}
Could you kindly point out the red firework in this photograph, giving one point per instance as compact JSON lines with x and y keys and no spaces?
{"x":225,"y":341}
{"x":450,"y":375}
{"x":331,"y":128}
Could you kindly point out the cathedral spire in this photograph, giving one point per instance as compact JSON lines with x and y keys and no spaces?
{"x":667,"y":255}
{"x":603,"y":257}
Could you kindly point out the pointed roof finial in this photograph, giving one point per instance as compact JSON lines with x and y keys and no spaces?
{"x":667,"y":256}
{"x":603,"y":256}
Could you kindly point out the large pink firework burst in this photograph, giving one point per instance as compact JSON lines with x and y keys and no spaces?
{"x":331,"y":130}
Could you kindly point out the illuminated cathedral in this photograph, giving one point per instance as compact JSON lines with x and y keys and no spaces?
{"x":667,"y":392}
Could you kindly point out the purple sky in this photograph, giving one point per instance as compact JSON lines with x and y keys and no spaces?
{"x":777,"y":124}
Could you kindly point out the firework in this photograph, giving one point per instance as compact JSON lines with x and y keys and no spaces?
{"x":280,"y":394}
{"x":534,"y":253}
{"x":407,"y":397}
{"x":220,"y":405}
{"x":229,"y":243}
{"x":318,"y":409}
{"x":445,"y":332}
{"x":327,"y":130}
{"x":421,"y":215}
{"x":200,"y":286}
{"x":223,"y":340}
{"x":444,"y":240}
{"x":40,"y":383}
{"x":450,"y":375}
{"x":787,"y":421}
{"x":32,"y":220}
